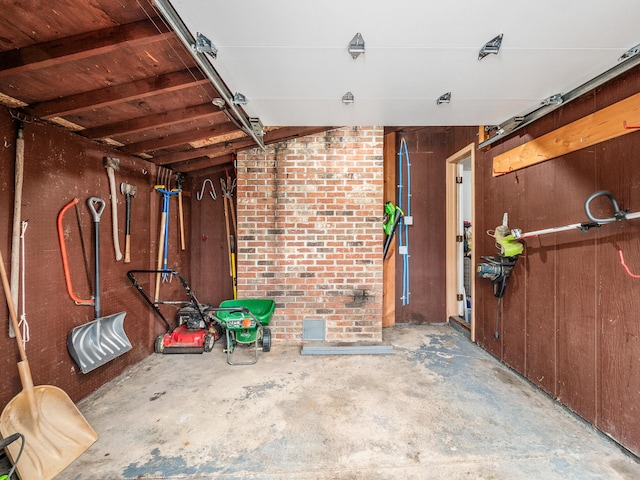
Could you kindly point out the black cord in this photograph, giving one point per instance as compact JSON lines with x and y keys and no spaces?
{"x":9,"y":440}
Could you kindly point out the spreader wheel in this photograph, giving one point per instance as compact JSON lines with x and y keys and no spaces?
{"x":158,"y":346}
{"x":209,"y":341}
{"x":228,"y":345}
{"x":266,"y":340}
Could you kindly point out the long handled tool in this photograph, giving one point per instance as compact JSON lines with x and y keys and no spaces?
{"x":618,"y":215}
{"x":17,"y":215}
{"x":65,"y":260}
{"x":179,"y":180}
{"x":93,"y":344}
{"x":163,"y":242}
{"x":56,"y":432}
{"x":129,"y":192}
{"x":225,"y":201}
{"x":112,"y":164}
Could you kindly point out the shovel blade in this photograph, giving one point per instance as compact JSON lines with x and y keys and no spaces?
{"x":95,"y":343}
{"x":54,"y":430}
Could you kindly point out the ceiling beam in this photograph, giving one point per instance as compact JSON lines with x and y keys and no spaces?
{"x":216,"y":150}
{"x":179,"y":138}
{"x":203,"y":164}
{"x":146,"y":87}
{"x":158,"y":120}
{"x":178,"y":157}
{"x":205,"y":158}
{"x":83,"y":45}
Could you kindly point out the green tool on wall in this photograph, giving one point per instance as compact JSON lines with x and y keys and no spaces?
{"x":392,"y":216}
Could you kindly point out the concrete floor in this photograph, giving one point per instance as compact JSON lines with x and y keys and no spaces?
{"x":438,"y":408}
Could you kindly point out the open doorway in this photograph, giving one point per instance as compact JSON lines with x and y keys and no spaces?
{"x":459,"y":239}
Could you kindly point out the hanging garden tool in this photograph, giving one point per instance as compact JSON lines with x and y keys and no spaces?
{"x":95,"y":343}
{"x":498,"y":268}
{"x":231,"y":186}
{"x":163,"y":242}
{"x":508,"y":240}
{"x":225,"y":200}
{"x":65,"y":261}
{"x":17,"y":217}
{"x":112,"y":165}
{"x":179,"y":180}
{"x":392,"y":218}
{"x":129,"y":192}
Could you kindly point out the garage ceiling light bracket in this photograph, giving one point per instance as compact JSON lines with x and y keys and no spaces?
{"x":492,"y":46}
{"x":356,"y":46}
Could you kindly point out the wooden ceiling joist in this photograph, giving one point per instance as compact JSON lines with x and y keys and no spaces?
{"x":158,"y":120}
{"x":200,"y":164}
{"x":116,"y":73}
{"x":179,"y":138}
{"x":183,"y":161}
{"x":84,"y":45}
{"x":107,"y":96}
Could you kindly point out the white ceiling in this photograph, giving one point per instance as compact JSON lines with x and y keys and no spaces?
{"x":290,"y":58}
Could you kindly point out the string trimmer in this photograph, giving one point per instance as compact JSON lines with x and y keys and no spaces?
{"x":498,"y":268}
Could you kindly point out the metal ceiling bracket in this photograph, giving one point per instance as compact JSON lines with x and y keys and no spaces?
{"x":510,"y":125}
{"x":553,"y":100}
{"x":492,"y":46}
{"x":185,"y":36}
{"x":239,"y":99}
{"x":630,"y":53}
{"x":356,"y":46}
{"x":204,"y":45}
{"x":348,"y":98}
{"x":256,"y":126}
{"x":444,"y":98}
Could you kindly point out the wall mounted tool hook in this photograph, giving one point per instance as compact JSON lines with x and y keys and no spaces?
{"x":212,"y":192}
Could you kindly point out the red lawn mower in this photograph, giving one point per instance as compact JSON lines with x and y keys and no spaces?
{"x":197,"y":327}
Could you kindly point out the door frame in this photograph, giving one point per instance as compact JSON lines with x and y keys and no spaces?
{"x":452,"y":231}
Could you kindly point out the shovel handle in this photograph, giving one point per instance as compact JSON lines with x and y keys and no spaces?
{"x":96,"y":213}
{"x":12,"y":310}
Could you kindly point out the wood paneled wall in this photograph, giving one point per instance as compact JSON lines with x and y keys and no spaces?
{"x":569,"y":319}
{"x":60,"y":166}
{"x":428,"y":150}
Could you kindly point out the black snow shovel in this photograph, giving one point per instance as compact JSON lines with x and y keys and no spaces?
{"x":103,"y":339}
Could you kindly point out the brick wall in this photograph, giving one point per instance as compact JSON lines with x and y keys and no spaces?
{"x":310,"y":232}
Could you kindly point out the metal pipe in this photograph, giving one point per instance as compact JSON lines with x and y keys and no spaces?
{"x":540,"y":112}
{"x":176,"y":23}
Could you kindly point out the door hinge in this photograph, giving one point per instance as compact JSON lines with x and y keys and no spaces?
{"x":459,"y":239}
{"x":458,"y":180}
{"x":459,"y":297}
